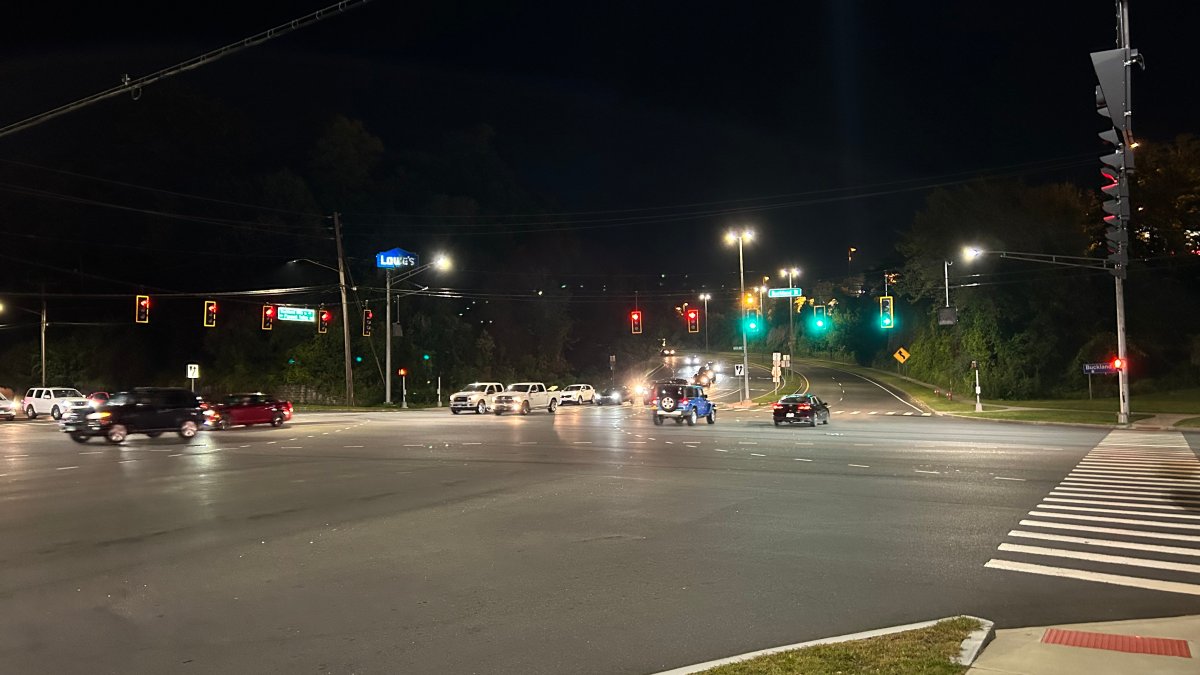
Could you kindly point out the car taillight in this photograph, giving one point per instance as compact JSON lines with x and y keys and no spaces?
{"x":804,"y":406}
{"x":777,"y":406}
{"x":683,"y":401}
{"x":654,"y":401}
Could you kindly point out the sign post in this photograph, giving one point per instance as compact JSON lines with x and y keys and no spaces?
{"x":193,"y":373}
{"x":390,"y":260}
{"x":978,"y":403}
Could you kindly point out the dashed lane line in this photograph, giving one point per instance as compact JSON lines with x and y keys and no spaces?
{"x":351,"y":446}
{"x":1022,"y":480}
{"x":801,"y":459}
{"x":64,"y":468}
{"x":861,"y":466}
{"x":756,"y":454}
{"x":936,"y":473}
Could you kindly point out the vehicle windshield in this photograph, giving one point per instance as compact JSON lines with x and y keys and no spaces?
{"x":123,"y":398}
{"x":475,"y":386}
{"x":67,"y":393}
{"x":794,"y":399}
{"x":518,"y":387}
{"x":574,"y":387}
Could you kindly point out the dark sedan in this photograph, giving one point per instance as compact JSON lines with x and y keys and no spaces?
{"x":804,"y":408}
{"x":614,"y":396}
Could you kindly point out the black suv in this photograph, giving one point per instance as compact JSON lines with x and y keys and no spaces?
{"x":683,"y":403}
{"x":145,"y":410}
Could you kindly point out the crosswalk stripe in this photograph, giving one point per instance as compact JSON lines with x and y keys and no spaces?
{"x":1122,"y":521}
{"x":1083,"y":575}
{"x":1106,"y":543}
{"x":1101,"y":502}
{"x":1136,"y":480}
{"x":1102,"y":557}
{"x":1126,"y":494}
{"x":1110,"y":530}
{"x":1099,"y":482}
{"x":1064,"y":507}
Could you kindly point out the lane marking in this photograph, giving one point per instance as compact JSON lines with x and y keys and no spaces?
{"x":1022,"y":480}
{"x":720,"y":450}
{"x":756,"y":454}
{"x":1106,"y":543}
{"x":637,"y":442}
{"x":351,"y":446}
{"x":747,"y":443}
{"x":861,"y":466}
{"x":471,"y":443}
{"x":864,"y":445}
{"x":292,"y":447}
{"x":1115,"y":579}
{"x":414,"y":445}
{"x":1060,"y":507}
{"x":801,"y":459}
{"x":64,"y":468}
{"x":91,"y":452}
{"x":804,"y":443}
{"x":1102,"y":557}
{"x":588,"y":442}
{"x":937,"y":473}
{"x":528,"y":443}
{"x":1109,"y":530}
{"x":178,"y":454}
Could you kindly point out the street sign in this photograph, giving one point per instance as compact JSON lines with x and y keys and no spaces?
{"x":395,"y":259}
{"x":947,"y":316}
{"x":193,"y":371}
{"x":787,"y":360}
{"x":901,"y":355}
{"x":776,"y":357}
{"x":739,"y":370}
{"x":296,"y":314}
{"x":1099,"y":369}
{"x":785,"y":292}
{"x":737,"y":348}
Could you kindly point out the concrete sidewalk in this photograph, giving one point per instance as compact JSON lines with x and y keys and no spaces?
{"x":1167,"y":646}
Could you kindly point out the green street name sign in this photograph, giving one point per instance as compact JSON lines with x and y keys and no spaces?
{"x":785,"y":292}
{"x":296,"y":314}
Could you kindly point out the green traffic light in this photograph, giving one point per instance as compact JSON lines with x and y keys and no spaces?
{"x":425,"y":357}
{"x":358,"y":359}
{"x":291,"y":362}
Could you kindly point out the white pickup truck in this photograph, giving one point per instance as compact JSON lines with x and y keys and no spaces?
{"x":525,"y":396}
{"x":476,"y":396}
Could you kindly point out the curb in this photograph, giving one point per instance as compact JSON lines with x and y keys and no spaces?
{"x":1085,"y":425}
{"x":968,"y":650}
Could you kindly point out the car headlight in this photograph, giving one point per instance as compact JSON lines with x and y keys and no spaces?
{"x":99,"y":415}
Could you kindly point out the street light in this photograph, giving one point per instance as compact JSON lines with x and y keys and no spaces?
{"x":741,"y":237}
{"x":791,"y":273}
{"x":705,"y":297}
{"x":441,"y":262}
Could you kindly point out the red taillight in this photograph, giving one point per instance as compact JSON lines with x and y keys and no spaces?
{"x":654,"y":401}
{"x":804,"y":406}
{"x":683,"y":401}
{"x":777,"y":406}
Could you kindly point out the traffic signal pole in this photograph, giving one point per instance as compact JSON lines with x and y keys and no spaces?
{"x":1118,"y":279}
{"x":337,"y":235}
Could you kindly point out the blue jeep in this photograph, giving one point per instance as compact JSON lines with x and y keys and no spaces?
{"x":683,"y":403}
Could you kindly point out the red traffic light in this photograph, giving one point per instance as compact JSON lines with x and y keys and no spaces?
{"x":1118,"y":364}
{"x":324,"y":316}
{"x":635,"y":315}
{"x":403,"y":372}
{"x":144,"y":302}
{"x":691,"y":313}
{"x":370,"y":314}
{"x":269,"y":311}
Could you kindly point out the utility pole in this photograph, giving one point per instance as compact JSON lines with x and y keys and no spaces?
{"x":337,"y":235}
{"x":43,"y":343}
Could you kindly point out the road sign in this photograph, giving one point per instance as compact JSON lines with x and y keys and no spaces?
{"x":284,"y":313}
{"x":901,"y":355}
{"x":1099,"y":369}
{"x":739,"y":370}
{"x":787,"y":360}
{"x":193,"y":371}
{"x":737,"y":348}
{"x":785,"y":292}
{"x":947,"y":316}
{"x":776,"y":357}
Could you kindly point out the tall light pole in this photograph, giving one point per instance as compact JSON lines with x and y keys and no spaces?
{"x":946,"y":270}
{"x":441,"y":262}
{"x":791,"y":274}
{"x":741,"y":237}
{"x":705,"y":297}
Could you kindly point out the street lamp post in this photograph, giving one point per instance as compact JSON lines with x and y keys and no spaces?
{"x":791,"y":274}
{"x":946,"y":269}
{"x":740,"y":238}
{"x":705,"y":297}
{"x":441,"y":262}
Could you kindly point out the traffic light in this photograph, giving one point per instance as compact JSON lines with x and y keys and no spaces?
{"x":753,"y":322}
{"x":425,"y":357}
{"x":210,"y":313}
{"x":635,"y":322}
{"x":141,"y":309}
{"x":268,"y":317}
{"x":887,"y":314}
{"x":323,"y":317}
{"x":693,"y":321}
{"x":402,"y":372}
{"x":358,"y":359}
{"x":1118,"y":364}
{"x":820,"y":317}
{"x":367,"y":316}
{"x":1113,"y":102}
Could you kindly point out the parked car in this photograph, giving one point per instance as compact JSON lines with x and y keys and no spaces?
{"x":248,"y":409}
{"x":800,"y":408}
{"x":683,"y":403}
{"x":579,"y":394}
{"x":53,"y":401}
{"x":524,"y":397}
{"x":476,"y":396}
{"x":8,"y":408}
{"x":614,"y":396}
{"x":145,"y":410}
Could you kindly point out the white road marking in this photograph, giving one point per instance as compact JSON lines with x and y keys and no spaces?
{"x":890,"y":412}
{"x":125,"y":461}
{"x":907,"y":414}
{"x":14,"y":456}
{"x":1103,"y":558}
{"x":1110,"y":530}
{"x":1116,"y":579}
{"x":272,"y":442}
{"x":755,"y":454}
{"x":472,"y":443}
{"x":1141,"y":495}
{"x":292,"y":447}
{"x":1062,"y":507}
{"x":861,"y":466}
{"x":1007,"y":478}
{"x":1121,"y":521}
{"x":873,"y":412}
{"x":855,"y":412}
{"x":413,"y":445}
{"x":926,"y":414}
{"x":747,"y":443}
{"x":588,"y":442}
{"x":720,"y":450}
{"x":1107,"y":543}
{"x":864,"y":445}
{"x":351,"y":446}
{"x":91,"y":452}
{"x":1105,"y":500}
{"x":637,"y":442}
{"x":64,"y":468}
{"x":933,"y":472}
{"x":528,"y":443}
{"x":178,"y":454}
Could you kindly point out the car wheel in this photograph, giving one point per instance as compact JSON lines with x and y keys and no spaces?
{"x":56,"y":413}
{"x":691,"y":419}
{"x":658,"y":420}
{"x":187,"y":429}
{"x":481,"y":408}
{"x":525,"y":408}
{"x":30,"y":413}
{"x":777,"y":422}
{"x":79,"y":437}
{"x":552,"y":407}
{"x":117,"y":433}
{"x":154,"y":434}
{"x":454,"y":411}
{"x":277,"y":421}
{"x":499,"y":412}
{"x":712,"y":416}
{"x":593,"y":400}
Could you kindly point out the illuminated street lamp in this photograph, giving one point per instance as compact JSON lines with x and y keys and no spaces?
{"x":705,"y":297}
{"x":791,"y":273}
{"x":741,"y":237}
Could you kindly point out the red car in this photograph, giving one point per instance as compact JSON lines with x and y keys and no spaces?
{"x":250,"y":409}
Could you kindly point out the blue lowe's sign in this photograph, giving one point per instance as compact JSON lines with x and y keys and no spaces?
{"x":395,"y":258}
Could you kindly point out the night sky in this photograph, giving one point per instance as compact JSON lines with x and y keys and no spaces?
{"x":836,"y":115}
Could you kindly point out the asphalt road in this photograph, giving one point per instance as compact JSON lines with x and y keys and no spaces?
{"x":589,"y":541}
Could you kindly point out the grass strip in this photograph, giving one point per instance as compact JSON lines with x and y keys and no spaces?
{"x":1189,"y":422}
{"x":924,"y":650}
{"x":1043,"y":415}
